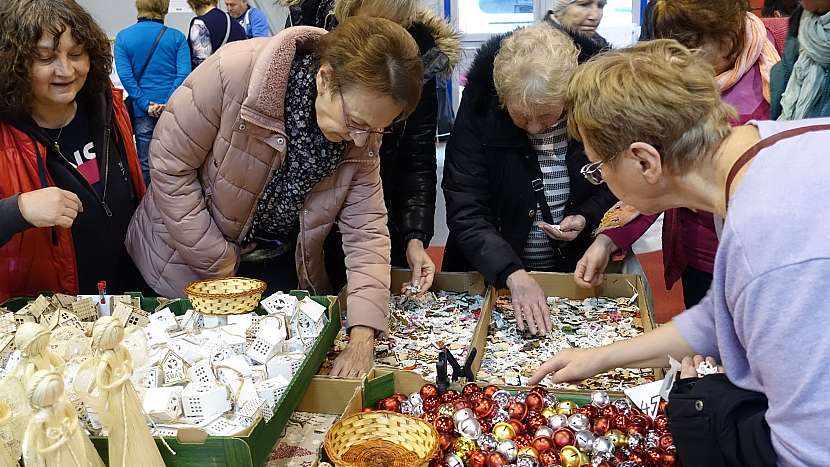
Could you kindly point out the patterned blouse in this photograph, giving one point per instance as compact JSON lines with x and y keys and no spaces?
{"x":310,"y":157}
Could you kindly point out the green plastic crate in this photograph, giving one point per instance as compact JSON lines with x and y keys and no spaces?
{"x":243,"y":451}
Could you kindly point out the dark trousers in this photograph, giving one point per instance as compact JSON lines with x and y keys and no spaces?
{"x":696,"y":284}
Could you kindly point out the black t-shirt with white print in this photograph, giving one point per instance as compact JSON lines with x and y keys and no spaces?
{"x":76,"y":145}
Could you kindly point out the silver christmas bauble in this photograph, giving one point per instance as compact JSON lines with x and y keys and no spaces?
{"x":585,"y":440}
{"x":627,"y":464}
{"x":501,"y":398}
{"x":600,"y":398}
{"x":415,"y":399}
{"x":544,"y":431}
{"x":603,"y":445}
{"x":508,"y":449}
{"x":452,"y":460}
{"x":622,"y":405}
{"x":635,"y":440}
{"x":521,"y":396}
{"x":501,"y":415}
{"x":579,"y":422}
{"x":487,"y":442}
{"x":462,"y":415}
{"x":551,"y":400}
{"x":557,"y":421}
{"x":469,"y":428}
{"x":526,"y":461}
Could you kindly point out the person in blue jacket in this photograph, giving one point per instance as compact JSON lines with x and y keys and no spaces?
{"x":252,"y":19}
{"x":166,"y":70}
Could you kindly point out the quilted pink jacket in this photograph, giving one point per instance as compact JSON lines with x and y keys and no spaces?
{"x":218,"y":143}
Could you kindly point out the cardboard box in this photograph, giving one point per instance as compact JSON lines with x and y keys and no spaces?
{"x":563,"y":285}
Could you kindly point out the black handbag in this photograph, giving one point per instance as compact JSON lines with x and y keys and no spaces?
{"x":129,"y":100}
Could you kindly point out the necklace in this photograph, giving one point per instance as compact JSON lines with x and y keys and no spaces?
{"x":68,"y":121}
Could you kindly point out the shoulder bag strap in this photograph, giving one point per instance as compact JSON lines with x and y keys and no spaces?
{"x":538,"y":187}
{"x":228,"y":31}
{"x":760,"y":146}
{"x":150,"y":55}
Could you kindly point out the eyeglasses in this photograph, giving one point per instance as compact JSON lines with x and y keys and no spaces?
{"x":359,"y":135}
{"x":593,"y":172}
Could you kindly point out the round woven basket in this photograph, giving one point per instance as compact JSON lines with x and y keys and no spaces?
{"x":230,"y":296}
{"x":381,"y":439}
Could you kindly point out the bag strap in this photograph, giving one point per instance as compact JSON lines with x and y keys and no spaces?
{"x":538,"y":187}
{"x":764,"y":144}
{"x":228,"y":31}
{"x":150,"y":55}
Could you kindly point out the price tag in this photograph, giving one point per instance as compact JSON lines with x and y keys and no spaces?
{"x":647,"y":396}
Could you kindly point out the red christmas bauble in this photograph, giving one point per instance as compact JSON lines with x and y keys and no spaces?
{"x":438,"y":461}
{"x":400,"y":397}
{"x":620,"y":422}
{"x":428,"y":390}
{"x":522,"y":441}
{"x":430,"y":417}
{"x":390,"y":403}
{"x":654,"y":455}
{"x":666,"y":441}
{"x":460,"y":404}
{"x":609,"y":412}
{"x":669,"y":459}
{"x":431,"y":404}
{"x":549,"y":457}
{"x":632,"y":429}
{"x":588,"y":410}
{"x":477,"y":459}
{"x":661,"y":424}
{"x":449,"y":396}
{"x":518,"y":426}
{"x":517,"y":411}
{"x":564,"y":437}
{"x":476,"y":398}
{"x":535,"y":421}
{"x":484,"y":408}
{"x":490,"y":390}
{"x":541,"y":391}
{"x":639,"y":457}
{"x":601,"y":425}
{"x":535,"y":402}
{"x":640,"y":420}
{"x":471,"y":389}
{"x":486,"y":425}
{"x":445,"y":440}
{"x":444,"y":425}
{"x":496,"y":459}
{"x":542,"y":443}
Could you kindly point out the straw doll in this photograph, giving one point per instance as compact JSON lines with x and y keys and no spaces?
{"x":32,"y":340}
{"x":130,"y":442}
{"x":12,"y":427}
{"x":54,"y":438}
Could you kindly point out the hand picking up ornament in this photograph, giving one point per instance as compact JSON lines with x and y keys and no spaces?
{"x":489,"y":427}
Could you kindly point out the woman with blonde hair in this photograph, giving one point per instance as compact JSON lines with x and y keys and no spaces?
{"x":408,"y":153}
{"x":263,"y":150}
{"x":515,"y":199}
{"x":659,"y":135}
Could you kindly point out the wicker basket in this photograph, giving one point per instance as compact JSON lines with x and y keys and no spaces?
{"x":381,"y":439}
{"x":230,"y":296}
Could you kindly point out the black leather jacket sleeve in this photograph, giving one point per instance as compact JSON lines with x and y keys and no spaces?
{"x":411,"y":183}
{"x":470,"y":216}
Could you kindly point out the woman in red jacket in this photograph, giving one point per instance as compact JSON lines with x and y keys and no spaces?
{"x":69,"y":175}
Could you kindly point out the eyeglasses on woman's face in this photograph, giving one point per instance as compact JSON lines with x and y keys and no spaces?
{"x":593,"y":172}
{"x":359,"y":134}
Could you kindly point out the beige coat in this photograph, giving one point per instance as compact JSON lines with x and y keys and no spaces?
{"x":219,"y":141}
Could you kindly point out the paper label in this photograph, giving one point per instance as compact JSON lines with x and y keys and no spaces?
{"x":646,"y":397}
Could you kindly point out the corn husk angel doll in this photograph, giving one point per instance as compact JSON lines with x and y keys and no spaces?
{"x":103,"y":383}
{"x":53,"y":437}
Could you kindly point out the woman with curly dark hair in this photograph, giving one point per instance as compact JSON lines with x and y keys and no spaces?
{"x":69,"y":175}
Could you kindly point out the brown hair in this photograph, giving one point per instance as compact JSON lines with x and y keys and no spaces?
{"x":693,"y":22}
{"x":375,"y":54}
{"x":656,"y":92}
{"x":152,"y":9}
{"x":22,"y":24}
{"x":399,"y":11}
{"x":196,"y":4}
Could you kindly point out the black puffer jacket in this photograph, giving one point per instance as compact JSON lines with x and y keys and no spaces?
{"x":408,"y":161}
{"x":487,"y":180}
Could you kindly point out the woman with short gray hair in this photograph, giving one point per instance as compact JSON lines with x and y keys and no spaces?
{"x":580,"y":16}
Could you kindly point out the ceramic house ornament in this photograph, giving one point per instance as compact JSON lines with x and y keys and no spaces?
{"x":284,"y":365}
{"x":85,"y":310}
{"x":272,"y":389}
{"x":205,"y":400}
{"x":149,"y":377}
{"x":280,"y":303}
{"x":312,"y":318}
{"x":163,"y":405}
{"x":269,"y":340}
{"x":164,"y":319}
{"x":130,"y":315}
{"x":174,"y":368}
